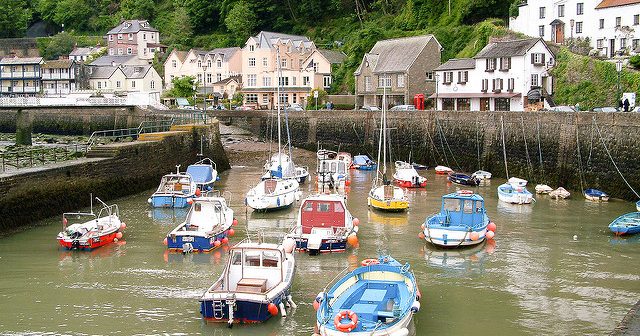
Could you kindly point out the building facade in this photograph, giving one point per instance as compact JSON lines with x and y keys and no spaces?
{"x":504,"y":76}
{"x":134,"y":37}
{"x":59,"y":77}
{"x":399,"y":68}
{"x":126,"y":79}
{"x":612,"y":26}
{"x":207,"y":67}
{"x":20,"y":77}
{"x":85,"y":53}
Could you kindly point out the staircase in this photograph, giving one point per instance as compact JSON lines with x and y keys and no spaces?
{"x":102,"y":152}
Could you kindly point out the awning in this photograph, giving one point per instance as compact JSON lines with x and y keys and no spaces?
{"x":534,"y":94}
{"x":476,"y":95}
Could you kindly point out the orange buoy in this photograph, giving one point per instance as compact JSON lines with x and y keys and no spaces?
{"x":231,"y":232}
{"x":165,"y":242}
{"x":474,"y":236}
{"x":347,"y":182}
{"x":368,"y":262}
{"x":198,"y":192}
{"x":235,"y":222}
{"x":216,"y":243}
{"x":345,"y":327}
{"x":356,"y":221}
{"x":119,"y":235}
{"x":225,"y":240}
{"x":272,"y":309}
{"x":316,"y":305}
{"x":421,"y":235}
{"x":490,"y":234}
{"x":491,"y":227}
{"x":352,"y":240}
{"x":123,"y":226}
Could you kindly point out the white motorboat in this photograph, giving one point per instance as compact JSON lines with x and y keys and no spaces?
{"x":443,"y":170}
{"x":406,"y":176}
{"x":482,"y":175}
{"x":515,"y":191}
{"x":273,"y":193}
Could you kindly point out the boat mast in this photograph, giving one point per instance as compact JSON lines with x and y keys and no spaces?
{"x":384,"y":134}
{"x":504,"y":149}
{"x":278,"y":107}
{"x":375,"y":181}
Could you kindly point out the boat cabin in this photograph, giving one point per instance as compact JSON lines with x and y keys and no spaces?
{"x":463,"y":208}
{"x":254,"y":268}
{"x":362,"y":160}
{"x":175,"y":184}
{"x":203,"y":172}
{"x":332,"y":167}
{"x":318,"y":215}
{"x":206,"y":212}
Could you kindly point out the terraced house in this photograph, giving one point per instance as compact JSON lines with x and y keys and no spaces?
{"x":134,"y":37}
{"x":401,"y":68}
{"x":20,"y":77}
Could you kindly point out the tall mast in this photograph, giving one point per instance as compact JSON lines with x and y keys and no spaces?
{"x":278,"y":73}
{"x":384,"y":132}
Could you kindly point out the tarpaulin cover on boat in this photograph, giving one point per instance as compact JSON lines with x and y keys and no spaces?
{"x":201,"y":173}
{"x":361,"y":160}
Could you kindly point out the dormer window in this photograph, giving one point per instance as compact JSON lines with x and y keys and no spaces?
{"x":130,"y":36}
{"x":490,"y":64}
{"x":252,"y":47}
{"x":119,"y":36}
{"x":209,"y":63}
{"x":219,"y":63}
{"x":110,"y":37}
{"x":199,"y":64}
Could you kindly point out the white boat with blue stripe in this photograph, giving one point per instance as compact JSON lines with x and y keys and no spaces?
{"x":462,"y":221}
{"x":174,"y":190}
{"x":515,"y":192}
{"x":204,"y":173}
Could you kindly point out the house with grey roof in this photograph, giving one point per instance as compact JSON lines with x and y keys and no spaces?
{"x":509,"y":75}
{"x":207,"y":67}
{"x":401,"y":68}
{"x":126,"y":80}
{"x":134,"y":37}
{"x":20,"y":76}
{"x":59,"y":77}
{"x":84,"y":53}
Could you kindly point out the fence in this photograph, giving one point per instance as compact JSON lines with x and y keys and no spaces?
{"x":32,"y":157}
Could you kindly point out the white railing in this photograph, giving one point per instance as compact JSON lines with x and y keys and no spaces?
{"x":68,"y":101}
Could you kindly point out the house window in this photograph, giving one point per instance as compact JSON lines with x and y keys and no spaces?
{"x":490,"y":64}
{"x":129,"y":51}
{"x":283,"y":81}
{"x":174,"y":63}
{"x":199,"y":64}
{"x":118,"y":84}
{"x":209,"y":64}
{"x":497,"y":84}
{"x":505,"y":63}
{"x":130,"y":36}
{"x":599,"y":43}
{"x":560,"y":10}
{"x":623,"y":43}
{"x":283,"y":62}
{"x":144,"y":37}
{"x":326,"y":81}
{"x":252,"y":62}
{"x":429,"y":76}
{"x":305,"y":80}
{"x":634,"y":44}
{"x":448,"y":77}
{"x":384,"y":81}
{"x":618,"y":21}
{"x":463,"y":77}
{"x":537,"y":58}
{"x":284,"y":98}
{"x":400,"y":80}
{"x":294,"y":81}
{"x":200,"y":80}
{"x":209,"y":77}
{"x":601,"y":23}
{"x":448,"y":104}
{"x":265,"y":99}
{"x":367,"y":83}
{"x":133,"y":84}
{"x":541,"y":31}
{"x":534,"y":80}
{"x":578,"y":27}
{"x":119,"y":51}
{"x":252,"y":98}
{"x":251,"y":80}
{"x":485,"y":85}
{"x":119,"y":36}
{"x":110,"y":51}
{"x":463,"y":104}
{"x":511,"y":84}
{"x":99,"y":85}
{"x":252,"y":47}
{"x":265,"y":62}
{"x":299,"y":66}
{"x":502,"y":104}
{"x":219,"y":63}
{"x":579,"y":8}
{"x":266,"y":81}
{"x":110,"y":37}
{"x":636,"y":19}
{"x":153,"y":84}
{"x":542,"y":12}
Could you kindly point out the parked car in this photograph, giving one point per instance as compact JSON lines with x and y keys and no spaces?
{"x":188,"y":107}
{"x":295,"y":107}
{"x":370,"y":108}
{"x":244,"y":108}
{"x":605,"y":109}
{"x":403,"y":108}
{"x":562,"y":108}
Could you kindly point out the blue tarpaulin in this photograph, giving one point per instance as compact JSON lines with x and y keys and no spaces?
{"x":201,"y":174}
{"x":362,"y":160}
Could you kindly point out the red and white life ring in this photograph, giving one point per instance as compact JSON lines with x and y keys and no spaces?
{"x":369,"y":262}
{"x":346,"y":327}
{"x":465,"y":192}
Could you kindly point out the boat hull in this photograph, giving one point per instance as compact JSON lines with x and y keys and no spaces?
{"x":398,"y":329}
{"x":626,"y":224}
{"x":268,"y":202}
{"x":466,"y":180}
{"x":409,"y":184}
{"x":169,"y":201}
{"x":87,"y":244}
{"x":327,"y":245}
{"x":364,"y":167}
{"x":452,"y":237}
{"x":388,"y":205}
{"x":244,"y":312}
{"x":198,"y":243}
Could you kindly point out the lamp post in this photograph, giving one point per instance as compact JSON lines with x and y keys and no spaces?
{"x":571,"y":23}
{"x":204,"y":84}
{"x":436,"y":76}
{"x":619,"y":70}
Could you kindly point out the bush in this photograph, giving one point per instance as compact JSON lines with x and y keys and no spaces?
{"x":635,"y":61}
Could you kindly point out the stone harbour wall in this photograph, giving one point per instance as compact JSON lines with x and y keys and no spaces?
{"x":571,"y":144}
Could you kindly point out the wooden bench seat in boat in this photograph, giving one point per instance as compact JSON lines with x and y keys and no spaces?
{"x":251,"y":285}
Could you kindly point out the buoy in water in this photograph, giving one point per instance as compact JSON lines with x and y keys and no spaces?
{"x":491,"y":227}
{"x":231,"y":232}
{"x":356,"y":221}
{"x":225,"y":240}
{"x":123,"y":226}
{"x":575,"y":237}
{"x":474,"y":236}
{"x":347,"y":182}
{"x":272,"y":309}
{"x":421,"y":235}
{"x":216,"y":243}
{"x":490,"y":234}
{"x":119,"y":235}
{"x":352,"y":239}
{"x":198,"y":192}
{"x":235,"y":222}
{"x":165,"y":242}
{"x":289,"y":245}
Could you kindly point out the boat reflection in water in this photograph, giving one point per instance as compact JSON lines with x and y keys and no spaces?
{"x":514,"y":209}
{"x":168,"y":216}
{"x":387,"y":218}
{"x":624,"y":240}
{"x":115,"y":249}
{"x":213,"y":258}
{"x":461,"y":261}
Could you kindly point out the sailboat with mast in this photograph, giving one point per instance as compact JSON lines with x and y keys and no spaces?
{"x":384,"y":195}
{"x":280,"y":187}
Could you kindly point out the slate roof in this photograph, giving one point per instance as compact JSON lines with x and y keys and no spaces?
{"x":371,"y":58}
{"x":80,"y":51}
{"x":58,"y":64}
{"x":225,"y":81}
{"x":132,"y":26}
{"x":616,"y":3}
{"x":117,"y":60}
{"x":181,"y":54}
{"x":507,"y":48}
{"x":130,"y":71}
{"x":225,"y":52}
{"x":266,"y":39}
{"x":102,"y":72}
{"x":333,"y":56}
{"x":397,"y":55}
{"x":20,"y":60}
{"x":457,"y":64}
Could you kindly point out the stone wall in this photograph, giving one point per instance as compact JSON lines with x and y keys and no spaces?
{"x":468,"y":141}
{"x":45,"y":192}
{"x":21,"y":47}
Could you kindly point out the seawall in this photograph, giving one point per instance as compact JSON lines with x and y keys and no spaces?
{"x":569,"y":143}
{"x":33,"y":194}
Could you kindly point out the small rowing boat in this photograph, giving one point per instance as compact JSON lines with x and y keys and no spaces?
{"x":626,"y":224}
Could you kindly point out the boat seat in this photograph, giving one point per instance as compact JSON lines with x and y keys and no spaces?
{"x":251,"y":285}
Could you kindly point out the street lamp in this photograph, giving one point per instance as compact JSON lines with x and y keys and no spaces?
{"x":436,"y":76}
{"x":204,"y":84}
{"x":619,"y":70}
{"x":571,"y":23}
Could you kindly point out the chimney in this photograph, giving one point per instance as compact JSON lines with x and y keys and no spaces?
{"x":113,"y":63}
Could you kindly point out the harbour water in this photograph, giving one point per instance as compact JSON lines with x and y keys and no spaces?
{"x":553,"y":268}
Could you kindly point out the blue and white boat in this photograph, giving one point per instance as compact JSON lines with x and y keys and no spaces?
{"x":280,"y":165}
{"x":515,"y":192}
{"x":638,"y":205}
{"x":254,"y":285}
{"x":363,"y":162}
{"x":626,"y":224}
{"x":174,"y":190}
{"x":596,"y":195}
{"x":204,"y":173}
{"x":462,"y":221}
{"x":208,"y":226}
{"x":376,"y":299}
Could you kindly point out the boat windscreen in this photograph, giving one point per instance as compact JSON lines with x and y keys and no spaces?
{"x":451,"y":204}
{"x":201,"y":173}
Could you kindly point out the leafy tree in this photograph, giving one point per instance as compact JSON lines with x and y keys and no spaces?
{"x":479,"y":10}
{"x":137,"y":9}
{"x":238,"y":98}
{"x":635,"y":61}
{"x":14,"y":18}
{"x":204,"y":15}
{"x":180,"y":31}
{"x":241,"y":21}
{"x":60,"y":44}
{"x":183,"y":87}
{"x":74,"y":14}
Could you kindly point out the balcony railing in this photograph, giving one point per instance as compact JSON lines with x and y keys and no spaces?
{"x":46,"y":76}
{"x":20,"y":89}
{"x":19,"y":74}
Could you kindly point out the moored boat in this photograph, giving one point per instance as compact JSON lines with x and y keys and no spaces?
{"x":515,"y":192}
{"x":596,"y":195}
{"x":254,"y":285}
{"x":462,"y":221}
{"x":418,"y":166}
{"x":363,"y":162}
{"x":324,"y":224}
{"x":443,"y":170}
{"x":463,"y":179}
{"x":407,"y":177}
{"x":560,"y":193}
{"x":331,"y":170}
{"x":638,"y":205}
{"x":98,"y":230}
{"x":203,"y":173}
{"x":481,"y":175}
{"x":626,"y":224}
{"x":346,"y":158}
{"x":379,"y":298}
{"x":272,"y":194}
{"x":543,"y":189}
{"x":208,"y":225}
{"x":174,"y":190}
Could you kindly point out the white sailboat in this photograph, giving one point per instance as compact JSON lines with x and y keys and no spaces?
{"x":279,"y":188}
{"x":383,"y":194}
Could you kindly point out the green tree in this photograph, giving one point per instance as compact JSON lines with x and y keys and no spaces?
{"x":74,"y":14}
{"x":58,"y":45}
{"x":14,"y":18}
{"x":241,"y":21}
{"x":183,"y":87}
{"x":137,"y":9}
{"x":204,"y":15}
{"x":180,"y":31}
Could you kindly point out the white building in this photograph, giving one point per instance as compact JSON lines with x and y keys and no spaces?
{"x":134,"y":37}
{"x":610,"y":25}
{"x":503,"y":76}
{"x":83,"y":54}
{"x":58,"y":77}
{"x":124,"y":79}
{"x":207,"y":67}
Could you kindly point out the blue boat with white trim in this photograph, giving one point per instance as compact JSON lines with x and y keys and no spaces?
{"x":379,"y":298}
{"x":208,"y":226}
{"x":363,"y":162}
{"x":626,"y":224}
{"x":174,"y":191}
{"x":462,"y":221}
{"x":596,"y":195}
{"x":204,"y":174}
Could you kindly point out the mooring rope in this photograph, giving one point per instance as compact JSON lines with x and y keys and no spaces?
{"x":504,"y":148}
{"x":539,"y":146}
{"x":579,"y":160}
{"x":526,"y":148}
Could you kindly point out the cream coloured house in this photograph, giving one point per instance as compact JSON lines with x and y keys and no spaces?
{"x":207,"y":67}
{"x":123,"y":79}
